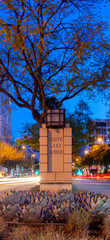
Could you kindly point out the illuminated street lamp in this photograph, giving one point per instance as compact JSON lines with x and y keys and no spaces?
{"x":33,"y":155}
{"x":86,"y":151}
{"x":55,"y":118}
{"x":100,"y":140}
{"x":23,"y":147}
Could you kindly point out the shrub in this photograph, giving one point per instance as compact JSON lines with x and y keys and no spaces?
{"x":51,"y":234}
{"x":106,"y":227}
{"x":35,"y":189}
{"x":96,"y":224}
{"x":26,"y":233}
{"x":22,"y":233}
{"x":2,"y":227}
{"x":79,"y":221}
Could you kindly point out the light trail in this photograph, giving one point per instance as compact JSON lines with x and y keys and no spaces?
{"x":19,"y":180}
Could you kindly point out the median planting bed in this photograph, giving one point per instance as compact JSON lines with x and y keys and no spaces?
{"x":77,"y":213}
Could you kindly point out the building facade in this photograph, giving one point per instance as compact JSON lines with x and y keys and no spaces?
{"x":5,"y":115}
{"x":101,"y":133}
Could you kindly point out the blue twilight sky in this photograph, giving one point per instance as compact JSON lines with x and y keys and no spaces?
{"x":19,"y":117}
{"x":98,"y":107}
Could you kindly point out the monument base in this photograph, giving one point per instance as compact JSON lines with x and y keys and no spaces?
{"x":55,"y":158}
{"x":54,"y":187}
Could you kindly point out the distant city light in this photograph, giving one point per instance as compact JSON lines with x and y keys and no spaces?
{"x":86,"y":151}
{"x":79,"y":172}
{"x":100,"y":139}
{"x":33,"y":155}
{"x":37,"y":172}
{"x":23,"y":147}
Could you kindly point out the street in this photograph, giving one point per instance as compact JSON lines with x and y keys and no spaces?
{"x":97,"y":186}
{"x":8,"y":184}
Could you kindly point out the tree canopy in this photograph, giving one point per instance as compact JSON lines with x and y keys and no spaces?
{"x":9,"y":155}
{"x":80,"y":122}
{"x":51,"y":48}
{"x":98,"y":155}
{"x":82,"y":127}
{"x":106,"y":159}
{"x":30,"y":136}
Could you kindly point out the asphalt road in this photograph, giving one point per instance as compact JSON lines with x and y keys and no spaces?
{"x":7,"y":184}
{"x":96,"y":186}
{"x":27,"y":183}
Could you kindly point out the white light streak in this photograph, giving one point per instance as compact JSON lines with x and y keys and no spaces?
{"x":18,"y":180}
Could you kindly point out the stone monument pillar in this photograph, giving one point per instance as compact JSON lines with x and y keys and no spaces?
{"x":55,"y":158}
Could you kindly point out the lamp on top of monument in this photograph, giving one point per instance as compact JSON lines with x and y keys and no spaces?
{"x":55,"y":118}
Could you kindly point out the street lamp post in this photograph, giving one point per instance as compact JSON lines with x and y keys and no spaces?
{"x":37,"y":164}
{"x":86,"y":152}
{"x":55,"y":152}
{"x":100,"y":141}
{"x":32,"y":156}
